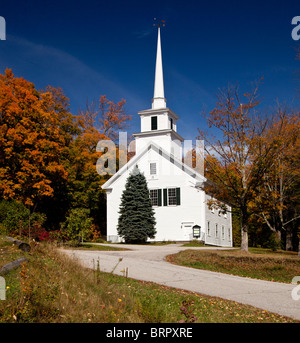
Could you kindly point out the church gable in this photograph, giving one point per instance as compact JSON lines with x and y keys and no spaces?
{"x":156,"y":164}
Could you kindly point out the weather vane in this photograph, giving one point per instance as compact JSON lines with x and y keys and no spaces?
{"x":160,"y":23}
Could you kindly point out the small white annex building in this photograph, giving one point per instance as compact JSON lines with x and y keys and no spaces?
{"x":178,"y":199}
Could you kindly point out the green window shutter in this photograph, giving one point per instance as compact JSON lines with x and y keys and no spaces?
{"x":165,"y":197}
{"x":159,"y":197}
{"x":178,"y":196}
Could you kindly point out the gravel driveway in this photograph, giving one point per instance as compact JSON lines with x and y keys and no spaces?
{"x":147,"y":263}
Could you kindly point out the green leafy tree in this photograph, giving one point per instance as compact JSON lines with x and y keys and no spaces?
{"x":78,"y":224}
{"x":13,"y":216}
{"x":136,"y":221}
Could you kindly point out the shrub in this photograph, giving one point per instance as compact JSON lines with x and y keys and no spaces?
{"x":37,"y":230}
{"x":94,"y":234}
{"x":57,"y":236}
{"x":14,"y":216}
{"x":14,"y":220}
{"x":44,"y":236}
{"x":273,"y":242}
{"x":77,"y":225}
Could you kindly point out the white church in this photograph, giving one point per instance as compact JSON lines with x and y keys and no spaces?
{"x":176,"y":192}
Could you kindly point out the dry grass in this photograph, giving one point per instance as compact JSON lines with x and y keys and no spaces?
{"x":52,"y":288}
{"x":263,"y":264}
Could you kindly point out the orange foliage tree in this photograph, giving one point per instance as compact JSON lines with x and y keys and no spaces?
{"x":236,"y":156}
{"x":31,"y":141}
{"x":278,"y":197}
{"x":102,"y":122}
{"x":97,"y":122}
{"x":48,"y":156}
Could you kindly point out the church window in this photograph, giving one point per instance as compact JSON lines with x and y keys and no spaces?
{"x":223,"y":232}
{"x":153,"y":123}
{"x":217,"y":233}
{"x":171,"y":123}
{"x":171,"y":196}
{"x":208,"y":229}
{"x":153,"y":169}
{"x":154,"y":197}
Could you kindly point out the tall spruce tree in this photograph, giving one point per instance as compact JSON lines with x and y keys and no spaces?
{"x":136,"y":220}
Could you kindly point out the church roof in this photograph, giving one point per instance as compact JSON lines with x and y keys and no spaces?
{"x":159,"y":132}
{"x":152,"y":111}
{"x":184,"y":167}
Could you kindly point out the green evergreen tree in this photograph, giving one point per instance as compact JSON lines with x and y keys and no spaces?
{"x":136,"y":220}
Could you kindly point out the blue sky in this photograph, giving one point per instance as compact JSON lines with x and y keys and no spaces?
{"x":91,"y":48}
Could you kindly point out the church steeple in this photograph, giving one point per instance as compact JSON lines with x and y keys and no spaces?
{"x":159,"y":100}
{"x":159,"y":124}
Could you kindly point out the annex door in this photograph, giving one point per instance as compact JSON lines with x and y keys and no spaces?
{"x":187,"y":228}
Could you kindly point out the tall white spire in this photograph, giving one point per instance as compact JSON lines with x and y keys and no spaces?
{"x":159,"y":100}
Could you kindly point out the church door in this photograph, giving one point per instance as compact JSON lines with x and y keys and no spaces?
{"x":187,"y":231}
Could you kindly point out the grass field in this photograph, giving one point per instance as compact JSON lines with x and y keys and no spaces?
{"x":51,"y":288}
{"x":96,"y":247}
{"x":264,"y":264}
